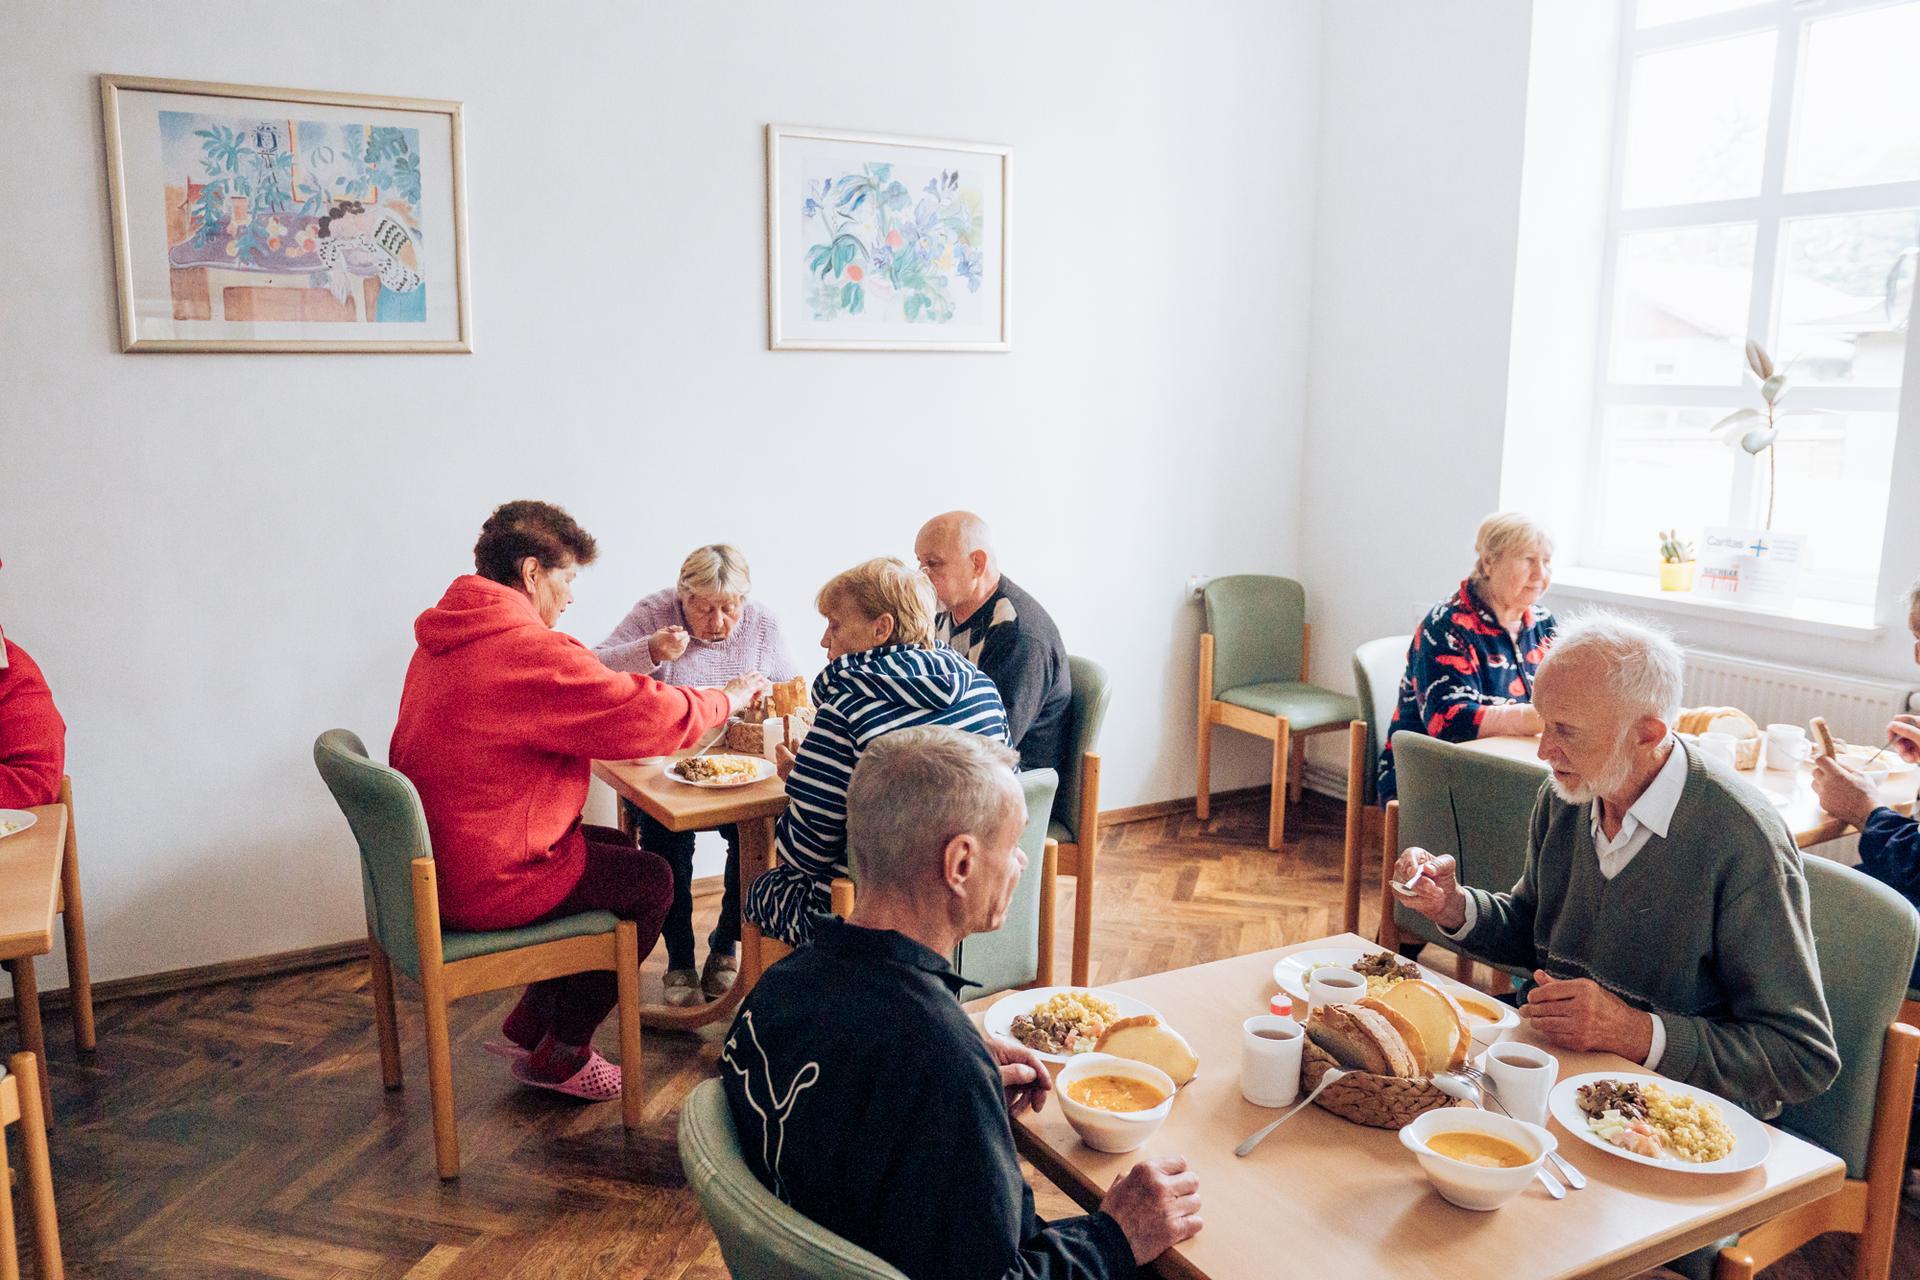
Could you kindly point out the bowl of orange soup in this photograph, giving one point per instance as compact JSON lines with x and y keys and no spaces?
{"x":1114,"y":1104}
{"x":1476,"y":1159}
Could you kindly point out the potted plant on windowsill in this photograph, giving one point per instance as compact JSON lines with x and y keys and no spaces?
{"x":1676,"y":562}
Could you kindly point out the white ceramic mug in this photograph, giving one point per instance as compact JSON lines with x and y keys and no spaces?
{"x":1718,"y":744}
{"x":1332,"y":984}
{"x":1523,"y":1076}
{"x":1270,"y":1048}
{"x":1787,"y":746}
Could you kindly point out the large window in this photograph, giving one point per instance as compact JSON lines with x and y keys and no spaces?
{"x":1766,"y":184}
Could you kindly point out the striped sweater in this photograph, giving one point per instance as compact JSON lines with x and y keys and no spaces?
{"x":859,"y":697}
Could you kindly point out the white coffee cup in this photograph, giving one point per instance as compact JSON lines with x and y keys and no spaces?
{"x":1332,"y":984}
{"x":1718,"y":744}
{"x":1523,"y":1076}
{"x":1787,"y":746}
{"x":1270,"y":1047}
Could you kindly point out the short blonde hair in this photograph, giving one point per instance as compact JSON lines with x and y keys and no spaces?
{"x":885,"y":585}
{"x":714,"y":570}
{"x":1503,"y":533}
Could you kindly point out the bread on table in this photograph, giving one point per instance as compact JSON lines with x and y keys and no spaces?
{"x":1430,"y":1020}
{"x":1731,"y":721}
{"x":1145,"y":1038}
{"x":1361,"y":1039}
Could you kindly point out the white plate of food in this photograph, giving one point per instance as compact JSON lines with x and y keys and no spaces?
{"x":1659,"y":1122}
{"x":1860,"y":753}
{"x":15,"y":820}
{"x":720,"y":770}
{"x":1059,"y":1022}
{"x":1382,"y":969}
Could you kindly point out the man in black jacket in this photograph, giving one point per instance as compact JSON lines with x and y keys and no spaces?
{"x":1002,"y":630}
{"x":862,"y":1094}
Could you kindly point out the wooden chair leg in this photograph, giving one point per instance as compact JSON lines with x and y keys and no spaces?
{"x":33,"y":1036}
{"x":386,"y":1024}
{"x":1356,"y":798}
{"x":1203,"y":745}
{"x":626,"y":961}
{"x":9,"y":1242}
{"x":433,"y":1004}
{"x":1389,"y":933}
{"x":33,"y":1145}
{"x":1297,"y":775}
{"x":1277,"y":802}
{"x":73,"y":920}
{"x":1049,"y":873}
{"x":1086,"y":864}
{"x":756,"y":856}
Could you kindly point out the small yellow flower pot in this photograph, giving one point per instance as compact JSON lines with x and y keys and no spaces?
{"x":1677,"y":577}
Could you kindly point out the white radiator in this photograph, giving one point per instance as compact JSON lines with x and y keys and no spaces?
{"x":1856,"y":709}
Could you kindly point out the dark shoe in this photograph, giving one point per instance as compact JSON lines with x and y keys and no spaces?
{"x":717,"y":978}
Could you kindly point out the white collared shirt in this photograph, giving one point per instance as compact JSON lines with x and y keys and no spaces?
{"x":1646,"y":817}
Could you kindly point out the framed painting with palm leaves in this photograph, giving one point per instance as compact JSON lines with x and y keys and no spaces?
{"x":877,"y":242}
{"x":248,"y":218}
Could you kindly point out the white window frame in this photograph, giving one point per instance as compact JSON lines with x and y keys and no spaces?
{"x":1767,"y":212}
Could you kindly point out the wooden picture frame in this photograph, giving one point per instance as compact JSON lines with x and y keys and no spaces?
{"x":883,"y":242}
{"x":248,"y":218}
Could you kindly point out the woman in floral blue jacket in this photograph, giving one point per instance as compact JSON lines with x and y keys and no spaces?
{"x":1470,"y":666}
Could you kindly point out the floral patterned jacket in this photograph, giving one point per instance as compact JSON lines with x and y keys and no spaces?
{"x":1461,"y":662}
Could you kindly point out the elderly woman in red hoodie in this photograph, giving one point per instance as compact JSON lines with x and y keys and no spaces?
{"x":499,"y":722}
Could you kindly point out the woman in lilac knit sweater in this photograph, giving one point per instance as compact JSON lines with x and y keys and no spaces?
{"x":702,"y":631}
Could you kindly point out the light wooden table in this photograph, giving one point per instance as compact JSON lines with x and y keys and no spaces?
{"x":679,"y":807}
{"x":30,"y":865}
{"x":1323,"y":1197}
{"x":1809,"y":823}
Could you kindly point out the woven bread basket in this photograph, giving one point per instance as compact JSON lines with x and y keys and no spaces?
{"x":1379,"y":1102}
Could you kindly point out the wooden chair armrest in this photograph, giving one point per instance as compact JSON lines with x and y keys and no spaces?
{"x":842,"y":890}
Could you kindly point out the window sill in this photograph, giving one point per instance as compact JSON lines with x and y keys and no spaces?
{"x":1826,"y":618}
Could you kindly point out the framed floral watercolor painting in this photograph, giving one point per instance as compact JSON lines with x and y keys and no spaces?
{"x":256,"y":219}
{"x":883,"y":243}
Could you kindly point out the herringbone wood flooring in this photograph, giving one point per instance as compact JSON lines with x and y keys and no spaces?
{"x":241,"y":1130}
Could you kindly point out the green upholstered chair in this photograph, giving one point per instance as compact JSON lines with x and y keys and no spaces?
{"x":1475,"y":806}
{"x":760,"y":1237}
{"x":1377,"y":668}
{"x":1254,"y":678}
{"x":1020,"y":952}
{"x":1075,"y":829}
{"x":1865,"y":935}
{"x":403,"y":931}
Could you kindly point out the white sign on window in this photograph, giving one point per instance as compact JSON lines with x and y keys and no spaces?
{"x":1749,"y":566}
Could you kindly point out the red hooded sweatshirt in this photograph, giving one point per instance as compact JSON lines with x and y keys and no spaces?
{"x":500,"y":720}
{"x":33,"y":737}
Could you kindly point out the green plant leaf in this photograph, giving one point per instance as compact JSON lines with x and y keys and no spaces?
{"x":1759,"y":439}
{"x":1773,"y":388}
{"x":1724,"y":427}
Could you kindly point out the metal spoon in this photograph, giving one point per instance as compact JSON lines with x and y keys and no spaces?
{"x":1246,"y":1148}
{"x":1458,"y":1086}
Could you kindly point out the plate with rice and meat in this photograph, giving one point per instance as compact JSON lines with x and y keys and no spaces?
{"x":1658,"y":1122}
{"x":1058,"y":1022}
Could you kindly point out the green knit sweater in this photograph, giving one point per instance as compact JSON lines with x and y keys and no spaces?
{"x":1707,"y":928}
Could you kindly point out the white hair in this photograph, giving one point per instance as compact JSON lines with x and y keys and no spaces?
{"x":714,"y":570}
{"x":1643,"y":667}
{"x":916,"y":789}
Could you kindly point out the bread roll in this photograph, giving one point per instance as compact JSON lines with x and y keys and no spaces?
{"x":1440,"y":1025}
{"x":1361,"y":1040}
{"x":1728,"y":720}
{"x":1146,"y":1039}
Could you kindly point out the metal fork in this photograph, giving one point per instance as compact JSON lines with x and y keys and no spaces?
{"x":1575,"y":1179}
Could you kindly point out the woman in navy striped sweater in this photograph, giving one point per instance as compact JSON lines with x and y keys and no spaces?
{"x":884,"y":672}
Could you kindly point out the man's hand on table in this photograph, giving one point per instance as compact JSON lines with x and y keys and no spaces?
{"x":1582,"y":1015}
{"x":1844,"y":791}
{"x":1157,"y":1204}
{"x":1023,"y":1076}
{"x":1437,"y":895}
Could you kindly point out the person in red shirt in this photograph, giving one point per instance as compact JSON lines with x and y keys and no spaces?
{"x":499,"y":722}
{"x":33,"y":737}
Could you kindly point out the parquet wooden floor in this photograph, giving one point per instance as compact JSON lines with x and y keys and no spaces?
{"x":241,"y":1130}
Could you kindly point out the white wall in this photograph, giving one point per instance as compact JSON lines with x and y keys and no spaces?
{"x":1422,"y":111}
{"x":215,"y":557}
{"x":1417,"y":235}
